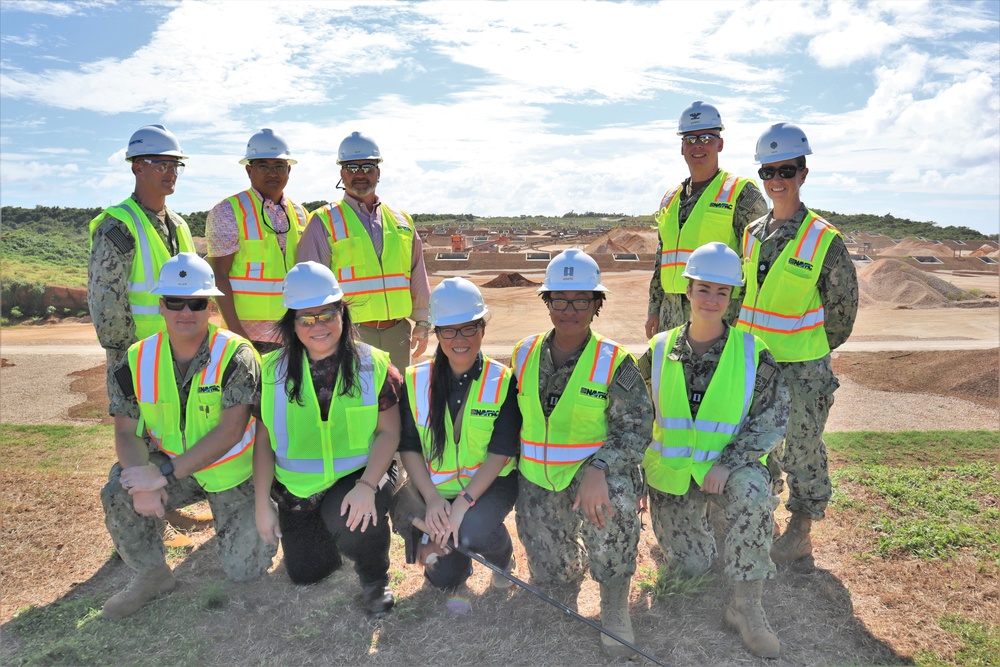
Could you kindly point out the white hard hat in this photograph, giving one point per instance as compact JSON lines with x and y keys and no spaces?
{"x":266,"y":145}
{"x":456,"y":301}
{"x":310,"y":284}
{"x":572,"y":270}
{"x":781,"y":141}
{"x":358,"y":147}
{"x":153,"y":140}
{"x":699,"y":116}
{"x":715,"y":262}
{"x":186,"y":274}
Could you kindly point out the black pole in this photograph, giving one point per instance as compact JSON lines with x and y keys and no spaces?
{"x":419,"y":523}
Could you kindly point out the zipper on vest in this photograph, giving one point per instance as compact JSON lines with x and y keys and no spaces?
{"x":545,"y":456}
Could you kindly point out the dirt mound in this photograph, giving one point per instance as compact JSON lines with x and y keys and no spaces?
{"x":895,"y":283}
{"x":985,"y":250}
{"x":510,"y":280}
{"x":909,"y":247}
{"x":640,"y":240}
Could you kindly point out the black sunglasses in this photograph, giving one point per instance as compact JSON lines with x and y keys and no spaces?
{"x":785,"y":171}
{"x":355,"y":168}
{"x":178,"y":303}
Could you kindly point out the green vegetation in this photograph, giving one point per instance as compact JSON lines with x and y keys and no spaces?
{"x":671,"y":582}
{"x":891,"y":226}
{"x":979,"y":645}
{"x":51,"y":448}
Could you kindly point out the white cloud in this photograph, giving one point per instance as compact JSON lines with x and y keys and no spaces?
{"x":54,"y":7}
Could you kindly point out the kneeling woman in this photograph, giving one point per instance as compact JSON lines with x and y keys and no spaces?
{"x":460,"y":437}
{"x":324,"y":452}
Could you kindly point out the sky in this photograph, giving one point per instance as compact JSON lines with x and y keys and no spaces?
{"x":507,"y":108}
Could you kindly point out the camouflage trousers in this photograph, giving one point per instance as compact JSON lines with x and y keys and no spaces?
{"x":559,"y":541}
{"x":683,"y":531}
{"x":802,"y":456}
{"x":139,"y":541}
{"x":675,"y":310}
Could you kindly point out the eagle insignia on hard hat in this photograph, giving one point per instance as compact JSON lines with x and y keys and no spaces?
{"x":774,"y":144}
{"x":183,"y":274}
{"x":696,"y":115}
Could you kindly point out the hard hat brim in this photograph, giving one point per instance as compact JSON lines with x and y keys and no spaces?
{"x":287,"y":159}
{"x":574,"y":287}
{"x":460,"y":318}
{"x":177,"y":291}
{"x":779,"y":157}
{"x":312,"y":302}
{"x":176,"y":154}
{"x":713,"y":278}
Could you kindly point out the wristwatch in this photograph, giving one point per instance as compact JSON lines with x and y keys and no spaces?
{"x":424,"y":323}
{"x":167,"y":470}
{"x":600,"y":465}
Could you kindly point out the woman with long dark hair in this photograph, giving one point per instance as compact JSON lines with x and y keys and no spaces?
{"x":459,"y":439}
{"x":324,"y":450}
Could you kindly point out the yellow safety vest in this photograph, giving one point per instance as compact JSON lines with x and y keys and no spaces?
{"x":259,"y":267}
{"x":786,"y":312}
{"x":553,"y":449}
{"x":457,"y":465}
{"x":711,"y":219}
{"x":156,"y":391}
{"x":684,"y":448}
{"x":312,"y":454}
{"x":150,"y":255}
{"x":376,"y":290}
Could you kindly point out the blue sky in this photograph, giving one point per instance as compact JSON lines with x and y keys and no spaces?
{"x":503,"y":108}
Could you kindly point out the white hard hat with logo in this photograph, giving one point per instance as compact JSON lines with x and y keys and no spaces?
{"x":358,"y":147}
{"x":572,"y":270}
{"x":266,"y":145}
{"x":715,"y":263}
{"x":699,"y":116}
{"x":456,"y":301}
{"x":186,"y":274}
{"x":781,"y":141}
{"x":153,"y":140}
{"x":310,"y":284}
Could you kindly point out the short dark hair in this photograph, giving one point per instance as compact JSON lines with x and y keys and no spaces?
{"x":800,"y":162}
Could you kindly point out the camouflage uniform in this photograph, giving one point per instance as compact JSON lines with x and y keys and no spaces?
{"x":811,"y":383}
{"x":108,"y":277}
{"x":557,"y":539}
{"x":675,"y":309}
{"x":681,"y":522}
{"x":138,"y":538}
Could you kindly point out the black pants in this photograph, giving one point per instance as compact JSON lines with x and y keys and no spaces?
{"x":482,"y":531}
{"x":313,"y":540}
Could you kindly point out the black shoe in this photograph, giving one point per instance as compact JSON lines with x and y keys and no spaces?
{"x":378,"y":599}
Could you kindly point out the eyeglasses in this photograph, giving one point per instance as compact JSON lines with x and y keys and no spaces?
{"x":563,"y":304}
{"x":324,"y":317}
{"x":703,"y":138}
{"x":163,"y":166}
{"x":178,"y":303}
{"x":264,"y":169}
{"x":784,"y":171}
{"x":468,"y":331}
{"x":355,"y":168}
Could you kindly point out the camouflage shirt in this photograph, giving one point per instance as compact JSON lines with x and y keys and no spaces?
{"x":838,"y":279}
{"x":240,"y":382}
{"x":674,"y":309}
{"x":629,"y":413}
{"x":765,"y":425}
{"x":108,"y":275}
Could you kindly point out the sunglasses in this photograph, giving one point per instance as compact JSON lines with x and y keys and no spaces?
{"x":264,"y":169}
{"x":177,"y":303}
{"x":784,"y":171}
{"x":447,"y":333}
{"x":323,"y":317}
{"x":703,"y":138}
{"x":355,"y":168}
{"x":163,"y":166}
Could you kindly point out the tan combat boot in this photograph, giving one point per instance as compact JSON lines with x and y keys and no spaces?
{"x":795,"y":542}
{"x":615,"y":618}
{"x":745,"y":614}
{"x":175,"y":538}
{"x":143,"y":588}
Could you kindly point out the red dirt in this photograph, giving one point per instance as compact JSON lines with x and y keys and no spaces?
{"x":510,"y":280}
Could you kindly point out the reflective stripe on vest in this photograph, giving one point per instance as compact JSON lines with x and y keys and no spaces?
{"x":459,"y":462}
{"x":159,"y":404}
{"x":711,"y":219}
{"x":312,"y":454}
{"x":683,"y":448}
{"x":377,"y":288}
{"x":259,"y":265}
{"x":787,"y":310}
{"x":553,"y":449}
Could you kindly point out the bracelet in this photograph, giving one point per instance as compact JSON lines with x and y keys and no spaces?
{"x":367,"y":483}
{"x":468,"y":498}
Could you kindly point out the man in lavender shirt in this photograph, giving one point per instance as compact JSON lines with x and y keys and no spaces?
{"x":376,"y":254}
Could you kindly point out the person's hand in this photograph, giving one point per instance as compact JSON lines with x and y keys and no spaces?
{"x":593,"y":497}
{"x":458,"y":509}
{"x":359,"y":507}
{"x":436,"y":518}
{"x":715,"y":479}
{"x":652,"y":322}
{"x":149,"y":503}
{"x":142,"y":478}
{"x":267,"y":524}
{"x":418,"y":341}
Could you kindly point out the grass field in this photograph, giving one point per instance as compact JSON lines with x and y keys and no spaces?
{"x":907,"y":572}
